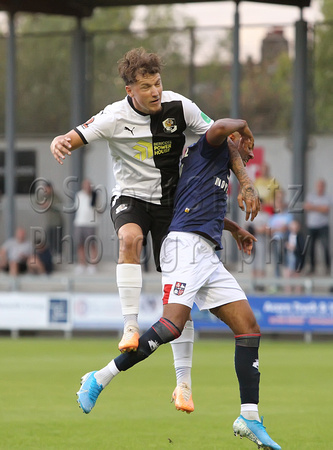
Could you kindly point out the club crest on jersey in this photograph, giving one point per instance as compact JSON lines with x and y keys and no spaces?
{"x":169,"y":125}
{"x":179,"y":288}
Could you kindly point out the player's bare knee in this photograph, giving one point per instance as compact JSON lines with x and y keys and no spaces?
{"x":130,"y":247}
{"x":253,"y":325}
{"x":177,"y":314}
{"x":256,"y":329}
{"x":250,"y":326}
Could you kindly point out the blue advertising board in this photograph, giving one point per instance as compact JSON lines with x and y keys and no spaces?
{"x":280,"y":314}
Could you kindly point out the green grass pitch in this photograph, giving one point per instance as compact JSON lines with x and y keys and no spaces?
{"x":39,"y":379}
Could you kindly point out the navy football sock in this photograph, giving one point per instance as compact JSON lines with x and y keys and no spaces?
{"x":160,"y":333}
{"x":247,"y":367}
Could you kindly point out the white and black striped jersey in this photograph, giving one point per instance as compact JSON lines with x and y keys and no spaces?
{"x":146,"y":149}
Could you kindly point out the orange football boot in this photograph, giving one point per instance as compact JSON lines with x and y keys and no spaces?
{"x":182,"y":396}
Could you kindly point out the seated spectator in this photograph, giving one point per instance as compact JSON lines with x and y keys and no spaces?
{"x":40,"y":262}
{"x":14,"y":253}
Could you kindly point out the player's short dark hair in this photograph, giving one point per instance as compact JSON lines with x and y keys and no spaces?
{"x":138,"y":61}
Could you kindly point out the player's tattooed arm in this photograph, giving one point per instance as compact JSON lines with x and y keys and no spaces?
{"x":248,"y":193}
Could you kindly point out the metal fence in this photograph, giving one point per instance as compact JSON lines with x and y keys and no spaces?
{"x":198,"y":65}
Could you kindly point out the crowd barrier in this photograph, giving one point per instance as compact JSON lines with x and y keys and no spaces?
{"x":69,"y":306}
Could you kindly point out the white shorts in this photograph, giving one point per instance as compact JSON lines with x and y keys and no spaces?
{"x":192,"y":272}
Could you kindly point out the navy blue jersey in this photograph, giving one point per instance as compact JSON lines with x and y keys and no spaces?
{"x":201,"y":196}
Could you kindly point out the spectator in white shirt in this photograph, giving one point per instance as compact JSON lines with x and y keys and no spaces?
{"x":85,"y":228}
{"x":317,"y":207}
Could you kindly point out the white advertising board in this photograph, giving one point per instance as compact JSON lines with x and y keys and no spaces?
{"x":70,"y":311}
{"x":32,"y":311}
{"x":103,"y":311}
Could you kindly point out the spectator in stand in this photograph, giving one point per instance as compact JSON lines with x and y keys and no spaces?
{"x":260,"y":229}
{"x":317,"y":206}
{"x":14,"y":253}
{"x":40,"y":262}
{"x":85,"y":228}
{"x":295,"y":252}
{"x":267,"y":186}
{"x":278,"y":225}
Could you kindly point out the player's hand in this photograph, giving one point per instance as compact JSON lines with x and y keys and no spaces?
{"x":60,"y":147}
{"x":244,"y":240}
{"x":249,"y":195}
{"x":247,"y":143}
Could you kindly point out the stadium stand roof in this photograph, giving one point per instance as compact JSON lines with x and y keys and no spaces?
{"x":84,"y":8}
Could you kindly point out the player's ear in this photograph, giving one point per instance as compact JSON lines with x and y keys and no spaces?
{"x":129,"y":91}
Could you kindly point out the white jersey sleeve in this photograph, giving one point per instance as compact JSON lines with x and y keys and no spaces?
{"x":100,"y":126}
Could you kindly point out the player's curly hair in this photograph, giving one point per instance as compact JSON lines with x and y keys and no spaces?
{"x":138,"y":61}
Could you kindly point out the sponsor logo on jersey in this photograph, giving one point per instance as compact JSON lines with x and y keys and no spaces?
{"x":205,"y":118}
{"x":144,"y":150}
{"x":179,"y":288}
{"x":86,"y":124}
{"x":160,"y":148}
{"x":222,"y":183}
{"x":130,"y":130}
{"x":121,"y":208}
{"x":169,"y":125}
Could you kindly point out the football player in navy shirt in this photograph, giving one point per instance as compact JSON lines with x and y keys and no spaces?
{"x":192,"y":272}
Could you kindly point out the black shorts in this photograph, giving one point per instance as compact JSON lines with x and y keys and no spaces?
{"x":149,"y":217}
{"x":21,"y":267}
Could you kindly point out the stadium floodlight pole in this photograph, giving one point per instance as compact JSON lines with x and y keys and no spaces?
{"x":10,"y":175}
{"x":300,"y":129}
{"x":78,"y":91}
{"x":78,"y":99}
{"x":235,"y":115}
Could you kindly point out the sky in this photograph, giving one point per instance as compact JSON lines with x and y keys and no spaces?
{"x":258,"y":17}
{"x":252,"y":13}
{"x":217,"y":13}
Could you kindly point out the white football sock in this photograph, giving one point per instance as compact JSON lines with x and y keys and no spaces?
{"x":130,"y":319}
{"x":129,"y":282}
{"x":250,"y":411}
{"x":182,"y":348}
{"x":105,"y":375}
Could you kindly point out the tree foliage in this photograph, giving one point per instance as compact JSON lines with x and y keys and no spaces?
{"x":323,"y":72}
{"x":45,"y":66}
{"x":266,"y":97}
